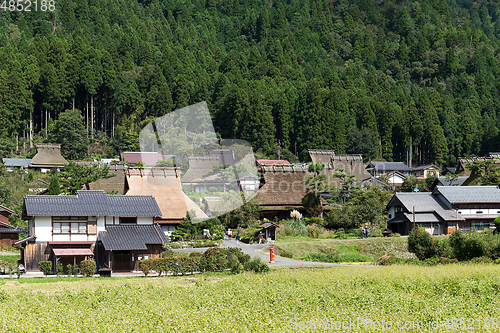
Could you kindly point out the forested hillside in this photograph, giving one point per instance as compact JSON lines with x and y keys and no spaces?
{"x":356,"y":76}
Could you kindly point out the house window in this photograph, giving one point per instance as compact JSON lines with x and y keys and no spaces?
{"x":399,"y":209}
{"x":479,"y":212}
{"x":69,"y":227}
{"x":249,"y":187}
{"x":389,"y":216}
{"x":69,"y":224}
{"x":128,"y":220}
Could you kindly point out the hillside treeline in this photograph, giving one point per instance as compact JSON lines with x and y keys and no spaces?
{"x":356,"y":76}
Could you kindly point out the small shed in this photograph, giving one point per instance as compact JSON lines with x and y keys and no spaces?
{"x":269,"y":230}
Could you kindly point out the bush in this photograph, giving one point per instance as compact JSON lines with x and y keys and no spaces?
{"x":195,"y":255}
{"x":75,"y":270}
{"x":45,"y":267}
{"x":174,"y":266}
{"x":466,"y":247}
{"x":298,"y":226}
{"x":256,"y":265}
{"x":88,"y":268}
{"x":421,"y":243}
{"x":145,"y":266}
{"x":284,"y":253}
{"x":356,"y":232}
{"x":213,"y":260}
{"x":351,"y":257}
{"x":60,"y":269}
{"x":69,"y":269}
{"x":168,"y":253}
{"x":395,"y":234}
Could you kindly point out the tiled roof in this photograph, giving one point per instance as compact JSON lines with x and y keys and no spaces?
{"x":86,"y":203}
{"x":470,"y":194}
{"x":272,"y":162}
{"x":16,"y":162}
{"x":131,"y":237}
{"x":423,"y":217}
{"x":389,"y":166}
{"x":423,"y":167}
{"x":448,"y":182}
{"x":11,"y":230}
{"x":424,"y":202}
{"x":373,"y":181}
{"x":6,"y":209}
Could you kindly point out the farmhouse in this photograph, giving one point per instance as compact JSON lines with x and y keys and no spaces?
{"x":48,"y":156}
{"x":8,"y":233}
{"x":378,"y":169}
{"x":116,"y":230}
{"x":445,"y":209}
{"x":425,"y":171}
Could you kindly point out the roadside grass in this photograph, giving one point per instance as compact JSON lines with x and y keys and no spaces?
{"x":284,"y":299}
{"x":373,"y":247}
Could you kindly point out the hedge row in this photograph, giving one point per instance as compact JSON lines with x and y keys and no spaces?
{"x":174,"y":266}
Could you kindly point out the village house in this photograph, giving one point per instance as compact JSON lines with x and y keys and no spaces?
{"x":445,"y":209}
{"x":424,"y":171}
{"x":116,"y":230}
{"x":48,"y":157}
{"x":8,"y":233}
{"x":377,"y":169}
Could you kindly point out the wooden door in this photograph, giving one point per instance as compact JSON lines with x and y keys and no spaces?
{"x":122,"y":261}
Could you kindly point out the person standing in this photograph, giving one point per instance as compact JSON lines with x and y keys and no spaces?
{"x":366,"y":232}
{"x":260,"y":237}
{"x":238,"y":238}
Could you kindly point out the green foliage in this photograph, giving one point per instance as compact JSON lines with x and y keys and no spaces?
{"x":69,"y":131}
{"x":486,"y":171}
{"x":297,"y":225}
{"x":75,"y":176}
{"x":421,"y":243}
{"x":88,"y":268}
{"x":54,"y":187}
{"x":173,"y":266}
{"x":60,"y":269}
{"x":284,"y":253}
{"x":45,"y":267}
{"x":69,"y":270}
{"x":256,"y":265}
{"x":466,"y":246}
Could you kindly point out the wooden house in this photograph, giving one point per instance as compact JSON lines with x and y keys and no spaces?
{"x":445,"y":209}
{"x":72,"y":228}
{"x":8,"y":233}
{"x":424,"y":171}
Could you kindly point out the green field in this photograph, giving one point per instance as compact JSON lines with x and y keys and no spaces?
{"x":281,"y":301}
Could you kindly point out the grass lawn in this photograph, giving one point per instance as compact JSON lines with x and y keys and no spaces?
{"x":373,"y":247}
{"x":283,"y":300}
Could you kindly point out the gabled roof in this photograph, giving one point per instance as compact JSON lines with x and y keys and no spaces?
{"x":388,"y":166}
{"x":7,"y":228}
{"x":423,"y":202}
{"x":469,"y":194}
{"x":200,"y":166}
{"x":425,"y":167}
{"x":3,"y":208}
{"x":373,"y":181}
{"x":86,"y":203}
{"x":131,"y":237}
{"x":442,"y":181}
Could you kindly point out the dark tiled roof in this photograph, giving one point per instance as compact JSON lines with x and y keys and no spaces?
{"x":389,"y":166}
{"x":470,"y":194}
{"x":11,"y":230}
{"x":16,"y":162}
{"x":86,"y":203}
{"x":449,"y":182}
{"x":373,"y":181}
{"x":6,"y":209}
{"x":131,"y":237}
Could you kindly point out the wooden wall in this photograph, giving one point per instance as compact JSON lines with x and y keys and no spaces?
{"x":34,"y":253}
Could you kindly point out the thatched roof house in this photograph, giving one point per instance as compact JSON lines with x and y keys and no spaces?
{"x":165,"y":185}
{"x":352,"y":164}
{"x":200,"y":166}
{"x":48,"y":156}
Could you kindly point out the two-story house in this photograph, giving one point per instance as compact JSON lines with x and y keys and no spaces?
{"x":116,"y":230}
{"x":445,"y":209}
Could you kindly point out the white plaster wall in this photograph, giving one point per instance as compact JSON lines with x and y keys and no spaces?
{"x":78,"y":237}
{"x":100,"y":224}
{"x":392,"y":212}
{"x":144,"y":220}
{"x":60,"y":237}
{"x":92,"y":238}
{"x":43,"y":228}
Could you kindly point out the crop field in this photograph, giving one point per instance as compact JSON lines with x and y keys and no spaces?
{"x":396,"y":298}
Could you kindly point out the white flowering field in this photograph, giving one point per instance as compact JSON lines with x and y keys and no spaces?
{"x":286,"y":300}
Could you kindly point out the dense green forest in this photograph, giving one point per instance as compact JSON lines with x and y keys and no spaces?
{"x":356,"y":76}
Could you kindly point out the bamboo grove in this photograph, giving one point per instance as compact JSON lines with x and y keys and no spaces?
{"x":382,"y":78}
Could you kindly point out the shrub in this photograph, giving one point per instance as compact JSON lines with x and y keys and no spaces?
{"x":167,"y":253}
{"x":75,"y":270}
{"x":195,"y":255}
{"x":356,"y":232}
{"x":285,"y":253}
{"x":88,"y":268}
{"x":60,"y":269}
{"x":45,"y":267}
{"x":351,"y":257}
{"x":256,"y":265}
{"x":466,"y":247}
{"x":174,"y":266}
{"x":234,"y":264}
{"x":69,"y":269}
{"x":395,"y":234}
{"x":145,"y":266}
{"x":421,"y":243}
{"x":298,"y":226}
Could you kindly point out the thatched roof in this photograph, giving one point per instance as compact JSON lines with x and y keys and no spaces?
{"x":200,"y":166}
{"x":353,"y":164}
{"x":283,"y":189}
{"x":165,"y":185}
{"x":48,"y":154}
